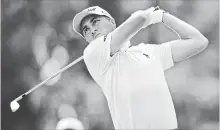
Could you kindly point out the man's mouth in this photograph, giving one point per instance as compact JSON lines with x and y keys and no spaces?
{"x":97,"y":35}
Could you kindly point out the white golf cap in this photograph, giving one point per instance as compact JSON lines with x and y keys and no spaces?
{"x":88,"y":11}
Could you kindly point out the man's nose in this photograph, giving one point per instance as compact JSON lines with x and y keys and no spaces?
{"x":94,"y":30}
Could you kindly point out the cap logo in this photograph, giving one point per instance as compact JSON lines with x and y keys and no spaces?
{"x":92,"y":9}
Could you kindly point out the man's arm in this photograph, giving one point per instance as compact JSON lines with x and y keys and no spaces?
{"x":129,"y":28}
{"x":192,"y":41}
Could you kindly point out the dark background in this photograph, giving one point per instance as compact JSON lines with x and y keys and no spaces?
{"x":37,"y":40}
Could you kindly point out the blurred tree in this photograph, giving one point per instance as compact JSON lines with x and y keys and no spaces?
{"x":16,"y":16}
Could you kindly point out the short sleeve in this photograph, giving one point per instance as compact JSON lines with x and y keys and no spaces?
{"x":163,"y":53}
{"x":97,"y":54}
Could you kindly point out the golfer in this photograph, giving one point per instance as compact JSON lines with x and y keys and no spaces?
{"x":132,"y":77}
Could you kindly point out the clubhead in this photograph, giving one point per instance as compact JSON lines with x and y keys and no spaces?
{"x":14,"y":106}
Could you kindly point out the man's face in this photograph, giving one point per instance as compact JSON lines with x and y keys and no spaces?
{"x":94,"y":26}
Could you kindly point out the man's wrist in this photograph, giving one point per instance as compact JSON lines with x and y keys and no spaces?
{"x":164,"y":13}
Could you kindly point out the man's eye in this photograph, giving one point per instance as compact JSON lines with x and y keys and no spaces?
{"x":85,"y":30}
{"x":95,"y":21}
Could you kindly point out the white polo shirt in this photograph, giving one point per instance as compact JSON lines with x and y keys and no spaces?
{"x":133,"y":83}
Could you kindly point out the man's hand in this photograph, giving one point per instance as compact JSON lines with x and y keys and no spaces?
{"x":147,"y":15}
{"x":157,"y":15}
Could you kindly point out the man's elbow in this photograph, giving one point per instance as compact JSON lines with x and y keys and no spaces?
{"x":204,"y":42}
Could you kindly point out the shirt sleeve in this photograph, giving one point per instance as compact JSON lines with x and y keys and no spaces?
{"x":97,"y":54}
{"x":163,"y":53}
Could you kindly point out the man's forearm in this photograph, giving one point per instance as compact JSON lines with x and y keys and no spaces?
{"x":184,"y":30}
{"x":129,"y":28}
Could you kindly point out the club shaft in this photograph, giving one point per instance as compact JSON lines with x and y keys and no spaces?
{"x":45,"y":81}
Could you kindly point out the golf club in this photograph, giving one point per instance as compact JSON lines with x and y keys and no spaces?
{"x":15,"y":105}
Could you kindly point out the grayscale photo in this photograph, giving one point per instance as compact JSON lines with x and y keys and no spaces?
{"x":109,"y":64}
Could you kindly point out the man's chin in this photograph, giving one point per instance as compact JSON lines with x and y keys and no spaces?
{"x":100,"y":35}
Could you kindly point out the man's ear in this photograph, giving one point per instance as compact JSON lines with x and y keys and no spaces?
{"x":112,"y":21}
